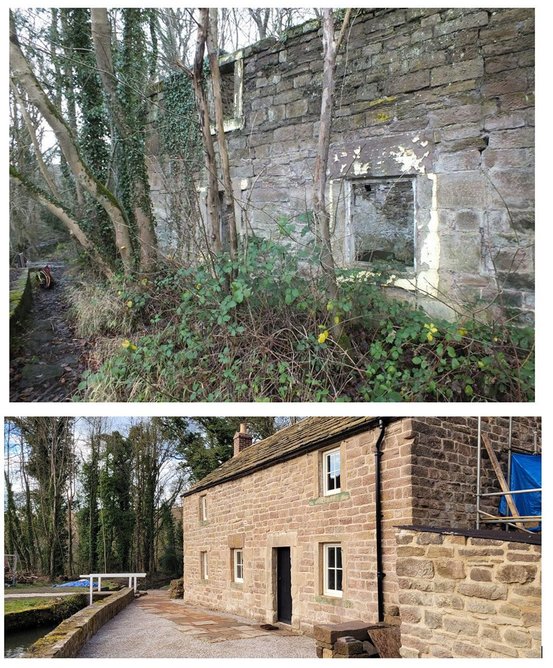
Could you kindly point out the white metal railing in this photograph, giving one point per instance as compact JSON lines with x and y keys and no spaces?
{"x":92,"y":576}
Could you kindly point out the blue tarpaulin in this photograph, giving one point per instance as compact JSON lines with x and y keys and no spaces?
{"x":525,"y":474}
{"x":77,"y":583}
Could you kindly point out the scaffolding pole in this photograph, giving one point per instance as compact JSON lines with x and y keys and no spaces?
{"x":483,"y":517}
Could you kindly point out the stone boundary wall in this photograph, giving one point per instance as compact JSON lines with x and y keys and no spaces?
{"x":70,"y":636}
{"x":21,"y":298}
{"x":463,"y":596}
{"x":49,"y":613}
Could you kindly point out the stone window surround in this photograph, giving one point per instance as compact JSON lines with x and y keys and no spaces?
{"x":326,"y":547}
{"x":237,"y":557}
{"x":325,"y":463}
{"x":320,"y":473}
{"x":236,"y":123}
{"x":389,"y":157}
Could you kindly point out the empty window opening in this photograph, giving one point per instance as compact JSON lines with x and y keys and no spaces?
{"x":238,"y":565}
{"x":383,"y":221}
{"x":231,"y":94}
{"x":227,"y":90}
{"x":333,"y":570}
{"x":331,"y":471}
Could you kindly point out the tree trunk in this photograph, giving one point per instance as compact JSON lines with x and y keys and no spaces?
{"x":101,"y":37}
{"x":228,"y":203}
{"x":210,"y":163}
{"x":322,"y":216}
{"x":65,"y":217}
{"x":26,"y":78}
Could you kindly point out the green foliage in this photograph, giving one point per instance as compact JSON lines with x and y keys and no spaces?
{"x":177,"y":122}
{"x":271,"y":336}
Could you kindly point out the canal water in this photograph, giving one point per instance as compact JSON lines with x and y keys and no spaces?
{"x":19,"y":641}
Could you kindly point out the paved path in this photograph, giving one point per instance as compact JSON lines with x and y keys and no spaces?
{"x":46,"y":356}
{"x":156,"y":626}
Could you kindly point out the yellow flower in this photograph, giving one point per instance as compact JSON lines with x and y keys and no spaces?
{"x":144,"y":281}
{"x":329,"y":306}
{"x":128,"y":345}
{"x":129,"y":304}
{"x":432,"y":329}
{"x":323,"y":336}
{"x":336,"y":319}
{"x":462,"y":331}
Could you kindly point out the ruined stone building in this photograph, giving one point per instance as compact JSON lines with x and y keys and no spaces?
{"x":431,"y":159}
{"x":302,"y":528}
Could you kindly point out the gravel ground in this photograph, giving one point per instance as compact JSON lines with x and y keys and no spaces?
{"x":135,"y":633}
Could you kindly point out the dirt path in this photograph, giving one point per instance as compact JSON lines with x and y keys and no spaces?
{"x":155,"y":626}
{"x":46,"y":357}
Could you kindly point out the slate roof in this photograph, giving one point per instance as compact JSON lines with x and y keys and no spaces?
{"x":308,"y":434}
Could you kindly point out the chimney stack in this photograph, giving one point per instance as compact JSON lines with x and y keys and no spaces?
{"x":242,"y":439}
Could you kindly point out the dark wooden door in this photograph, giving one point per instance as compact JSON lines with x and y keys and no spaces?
{"x":284,"y":585}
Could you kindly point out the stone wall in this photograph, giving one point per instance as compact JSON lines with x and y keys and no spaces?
{"x":464,"y":596}
{"x":441,"y":98}
{"x":70,"y":636}
{"x":445,"y":465}
{"x":283,"y":506}
{"x":426,"y":479}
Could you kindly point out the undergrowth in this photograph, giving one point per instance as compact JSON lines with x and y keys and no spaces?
{"x":260,"y":329}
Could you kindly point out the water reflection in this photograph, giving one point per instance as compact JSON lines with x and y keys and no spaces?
{"x":17,"y":642}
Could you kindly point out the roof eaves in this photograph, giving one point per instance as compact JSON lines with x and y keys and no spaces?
{"x":278,"y":458}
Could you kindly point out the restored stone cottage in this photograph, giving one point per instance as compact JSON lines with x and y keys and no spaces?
{"x":431,"y":160}
{"x":300,"y":528}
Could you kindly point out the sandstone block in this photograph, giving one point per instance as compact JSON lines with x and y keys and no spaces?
{"x":329,"y":633}
{"x":511,"y":573}
{"x":491,"y":592}
{"x":469,"y":69}
{"x":417,"y":568}
{"x":481,"y":574}
{"x":450,"y":568}
{"x":517,"y":637}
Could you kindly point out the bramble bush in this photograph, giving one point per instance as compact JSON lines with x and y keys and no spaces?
{"x":261,"y":329}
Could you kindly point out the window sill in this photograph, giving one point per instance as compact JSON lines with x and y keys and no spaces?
{"x":340,"y":496}
{"x":333,"y":600}
{"x":237,"y":585}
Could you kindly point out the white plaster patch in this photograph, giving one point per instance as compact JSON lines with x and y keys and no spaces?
{"x":428,"y":279}
{"x":360,"y":168}
{"x":408,"y":159}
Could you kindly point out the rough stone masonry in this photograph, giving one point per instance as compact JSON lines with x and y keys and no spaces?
{"x":434,"y":110}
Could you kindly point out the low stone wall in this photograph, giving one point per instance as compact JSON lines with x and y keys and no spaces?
{"x":466,"y":594}
{"x":20,"y":299}
{"x":67,"y":639}
{"x":46,"y":614}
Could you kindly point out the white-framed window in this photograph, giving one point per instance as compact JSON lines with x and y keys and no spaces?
{"x":203,"y":566}
{"x":238,"y":565}
{"x":333,"y":569}
{"x":331,"y":472}
{"x":203,"y":508}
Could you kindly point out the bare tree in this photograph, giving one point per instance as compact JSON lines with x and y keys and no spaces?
{"x":228,"y":199}
{"x":23,"y":76}
{"x":322,"y":216}
{"x":197,"y":77}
